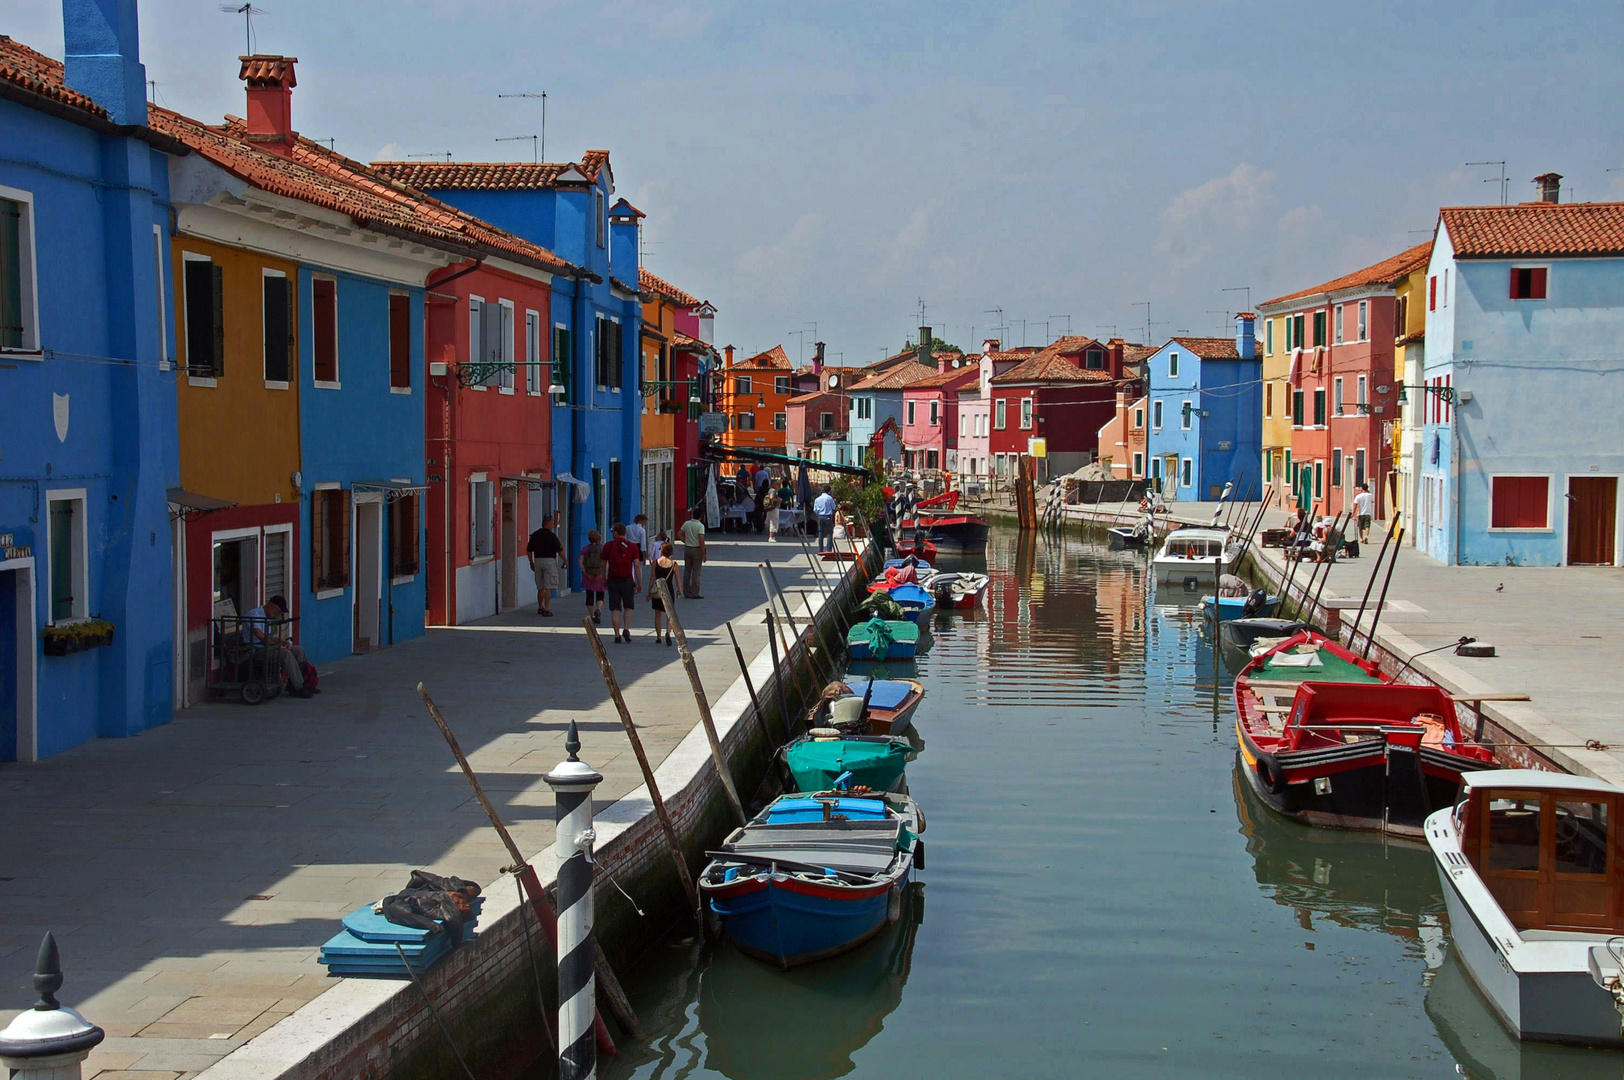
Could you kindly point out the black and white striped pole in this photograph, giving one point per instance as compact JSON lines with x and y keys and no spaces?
{"x":573,"y":781}
{"x":49,"y":1041}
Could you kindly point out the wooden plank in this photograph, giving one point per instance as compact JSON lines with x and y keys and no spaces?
{"x":1492,"y":696}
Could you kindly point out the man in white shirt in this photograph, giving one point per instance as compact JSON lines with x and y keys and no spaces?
{"x":637,"y":533}
{"x":1364,"y":503}
{"x":823,"y":508}
{"x":259,"y":629}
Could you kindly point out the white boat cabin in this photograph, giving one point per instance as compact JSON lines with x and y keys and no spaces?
{"x":1207,"y":544}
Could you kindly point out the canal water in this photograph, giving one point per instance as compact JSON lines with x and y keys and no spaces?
{"x":1102,"y":897}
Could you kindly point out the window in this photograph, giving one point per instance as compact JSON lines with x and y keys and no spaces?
{"x":1432,"y":293}
{"x":19,"y":308}
{"x":1519,"y":502}
{"x":1172,"y":365}
{"x":1319,"y":328}
{"x":1186,"y":473}
{"x":1296,"y":332}
{"x":1268,"y":468}
{"x":277,"y":328}
{"x":910,"y":412}
{"x":159,"y":247}
{"x":1319,"y":407}
{"x":324,"y":326}
{"x":1186,"y":412}
{"x":600,"y":222}
{"x":781,"y":385}
{"x":1026,"y":414}
{"x":1364,"y":320}
{"x":1358,"y":467}
{"x":1291,"y":473}
{"x":277,"y":543}
{"x":1336,"y":396}
{"x":329,"y":539}
{"x":68,"y":555}
{"x":826,"y":421}
{"x":1138,"y":464}
{"x":563,"y":356}
{"x":780,"y":421}
{"x":1528,"y":283}
{"x":1336,"y":466}
{"x":502,"y":352}
{"x":1443,"y":301}
{"x":1268,"y":337}
{"x":1156,"y":467}
{"x":1513,"y":833}
{"x":1139,"y":418}
{"x":479,"y":342}
{"x":1319,"y":479}
{"x":532,"y":352}
{"x":998,"y":414}
{"x":205,"y":317}
{"x":742,"y":384}
{"x":1361,"y":387}
{"x":1401,"y":316}
{"x":404,"y":536}
{"x":1156,"y":415}
{"x":1581,"y":838}
{"x":935,"y":413}
{"x":609,"y":353}
{"x":400,"y":341}
{"x":745,"y":421}
{"x":931,"y":460}
{"x":481,"y":517}
{"x":1094,"y":359}
{"x":1296,"y":408}
{"x":1337,"y":329}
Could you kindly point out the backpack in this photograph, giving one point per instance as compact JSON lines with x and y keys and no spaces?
{"x":307,"y":671}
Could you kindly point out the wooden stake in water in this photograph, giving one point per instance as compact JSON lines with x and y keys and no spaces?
{"x":705,"y":719}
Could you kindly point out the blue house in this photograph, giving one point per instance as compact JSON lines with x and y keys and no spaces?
{"x":1522,"y":385}
{"x":87,"y":392}
{"x":1205,"y":427}
{"x":876,"y":397}
{"x":597,"y":319}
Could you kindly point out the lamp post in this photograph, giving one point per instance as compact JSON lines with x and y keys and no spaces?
{"x":51,"y":1040}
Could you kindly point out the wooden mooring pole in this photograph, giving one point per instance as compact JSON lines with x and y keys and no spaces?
{"x":705,"y":717}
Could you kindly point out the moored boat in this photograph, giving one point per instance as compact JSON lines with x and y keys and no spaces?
{"x":1191,"y":556}
{"x":1242,"y":633}
{"x":882,"y":639}
{"x":813,"y":877}
{"x":891,"y":704}
{"x":1326,"y":738}
{"x":916,"y":602}
{"x":1530,"y":871}
{"x":956,"y":591}
{"x":827,"y":762}
{"x":1231,"y":608}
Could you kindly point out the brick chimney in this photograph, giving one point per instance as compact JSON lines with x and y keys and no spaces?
{"x":102,"y":58}
{"x":922,"y":350}
{"x":1550,"y":187}
{"x":817,"y":358}
{"x":727,"y":356}
{"x":1246,"y":335}
{"x":270,"y":101}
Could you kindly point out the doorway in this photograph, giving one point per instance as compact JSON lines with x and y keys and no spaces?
{"x":236,"y":573}
{"x":368,"y":573}
{"x":1592,"y":520}
{"x":179,"y":692}
{"x":507,"y":584}
{"x":17,"y":652}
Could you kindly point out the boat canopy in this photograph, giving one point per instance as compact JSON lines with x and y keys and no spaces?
{"x":719,"y":453}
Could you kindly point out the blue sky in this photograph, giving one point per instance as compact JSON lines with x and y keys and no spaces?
{"x":835,"y":162}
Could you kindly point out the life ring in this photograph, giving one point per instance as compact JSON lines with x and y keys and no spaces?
{"x":1270,"y":774}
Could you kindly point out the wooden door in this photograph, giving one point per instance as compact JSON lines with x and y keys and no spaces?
{"x":1592,"y":520}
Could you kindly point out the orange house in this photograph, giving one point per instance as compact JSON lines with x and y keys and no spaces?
{"x":755,"y":395}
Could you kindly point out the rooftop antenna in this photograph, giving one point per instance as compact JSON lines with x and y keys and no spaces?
{"x":1146,"y":305}
{"x":1503,"y":180}
{"x":247,"y":11}
{"x":1247,"y":289}
{"x":1066,"y":317}
{"x":330,"y":141}
{"x":433,"y":154}
{"x":1224,"y":313}
{"x":543,"y":97}
{"x":1023,"y":330}
{"x":802,"y":335}
{"x":534,"y":153}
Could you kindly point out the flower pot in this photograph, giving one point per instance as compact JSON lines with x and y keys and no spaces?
{"x":63,"y":644}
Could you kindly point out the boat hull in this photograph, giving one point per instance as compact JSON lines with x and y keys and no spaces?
{"x":899,"y":650}
{"x":1241,"y":633}
{"x":1192,"y":573}
{"x":1230,"y":607}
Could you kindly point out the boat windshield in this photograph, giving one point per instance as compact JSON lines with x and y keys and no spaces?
{"x":1545,"y":857}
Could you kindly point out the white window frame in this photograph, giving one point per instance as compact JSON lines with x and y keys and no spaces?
{"x":393,"y":389}
{"x":1336,"y":467}
{"x":910,"y":406}
{"x":1361,"y":389}
{"x":780,"y":421}
{"x":272,"y":384}
{"x":1000,"y":414}
{"x":506,"y":329}
{"x":480,"y":484}
{"x":1138,"y":465}
{"x":1186,"y":414}
{"x":1364,"y":321}
{"x":186,"y":322}
{"x":333,"y":485}
{"x":1338,"y":398}
{"x":338,"y":359}
{"x":742,"y":385}
{"x":286,"y":530}
{"x":1268,"y":337}
{"x":781,"y":385}
{"x":1336,"y":328}
{"x":1139,"y":418}
{"x":1028,"y":414}
{"x":80,"y":543}
{"x":31,"y":349}
{"x":476,"y":338}
{"x":1173,"y":365}
{"x":935,"y":412}
{"x":532,"y":352}
{"x":160,"y":256}
{"x":1550,"y":499}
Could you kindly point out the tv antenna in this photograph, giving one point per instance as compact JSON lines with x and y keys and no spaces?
{"x":1503,"y":180}
{"x":247,"y":11}
{"x":1146,"y":305}
{"x":1247,"y":289}
{"x":534,"y":153}
{"x":998,"y":311}
{"x":1068,"y":323}
{"x":543,"y":97}
{"x":432,"y":154}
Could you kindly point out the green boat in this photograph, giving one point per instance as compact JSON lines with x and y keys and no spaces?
{"x":882,"y":639}
{"x":876,"y":762}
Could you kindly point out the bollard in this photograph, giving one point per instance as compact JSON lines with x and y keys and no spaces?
{"x":573,"y":781}
{"x":49,"y":1041}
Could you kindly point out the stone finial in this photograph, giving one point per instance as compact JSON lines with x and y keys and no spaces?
{"x":48,"y":974}
{"x":572,"y":743}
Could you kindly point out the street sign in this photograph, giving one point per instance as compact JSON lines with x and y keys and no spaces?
{"x":712,"y":423}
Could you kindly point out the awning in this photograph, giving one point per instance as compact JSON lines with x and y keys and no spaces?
{"x":717,"y":452}
{"x":392,"y":489}
{"x":526,"y":478}
{"x":583,"y":490}
{"x":189,"y":504}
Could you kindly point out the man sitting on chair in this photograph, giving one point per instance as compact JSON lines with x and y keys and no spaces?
{"x":256,"y":626}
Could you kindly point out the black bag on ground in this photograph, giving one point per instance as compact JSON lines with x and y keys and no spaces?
{"x":429,"y":900}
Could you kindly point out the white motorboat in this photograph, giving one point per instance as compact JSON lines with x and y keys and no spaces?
{"x":1188,"y":556}
{"x":1530,"y":871}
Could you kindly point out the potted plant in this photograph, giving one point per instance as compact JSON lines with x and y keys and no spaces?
{"x":75,"y":637}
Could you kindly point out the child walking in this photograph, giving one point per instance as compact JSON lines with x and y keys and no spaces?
{"x":592,"y":574}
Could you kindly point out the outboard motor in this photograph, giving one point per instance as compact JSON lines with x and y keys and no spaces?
{"x":1255,"y":603}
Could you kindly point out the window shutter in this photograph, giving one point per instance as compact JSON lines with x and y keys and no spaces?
{"x":338,"y":575}
{"x":219,"y":320}
{"x":413,"y":534}
{"x":1536,"y":283}
{"x":400,"y":341}
{"x":619,"y":356}
{"x":318,"y":533}
{"x":1432,"y":293}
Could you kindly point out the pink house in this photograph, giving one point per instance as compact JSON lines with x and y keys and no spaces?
{"x":930,"y":414}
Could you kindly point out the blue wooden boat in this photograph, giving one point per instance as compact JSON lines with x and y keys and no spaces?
{"x":918,"y":562}
{"x":809,"y":878}
{"x":1234,"y":607}
{"x":864,"y":641}
{"x":915,"y":601}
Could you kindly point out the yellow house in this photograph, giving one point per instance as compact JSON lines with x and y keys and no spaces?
{"x":674,"y":322}
{"x":1409,"y":348}
{"x":1276,"y":463}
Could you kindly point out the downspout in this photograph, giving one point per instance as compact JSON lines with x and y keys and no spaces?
{"x":581,"y":466}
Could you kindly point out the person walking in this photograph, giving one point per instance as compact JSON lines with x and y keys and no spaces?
{"x":592,"y":571}
{"x":637,"y":533}
{"x":665,"y":569}
{"x":823,"y":507}
{"x":1364,"y":505}
{"x":693,"y":553}
{"x":545,"y":550}
{"x":624,"y":559}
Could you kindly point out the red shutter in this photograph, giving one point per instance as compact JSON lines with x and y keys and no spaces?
{"x":1536,"y":283}
{"x":324,"y":332}
{"x":318,"y":533}
{"x":1448,"y":411}
{"x":1519,"y":502}
{"x":1432,"y":293}
{"x":400,"y":341}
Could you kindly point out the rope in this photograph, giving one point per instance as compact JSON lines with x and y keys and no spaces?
{"x":535,"y":965}
{"x":437,"y":1019}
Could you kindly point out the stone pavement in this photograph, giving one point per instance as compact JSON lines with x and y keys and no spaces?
{"x":191,"y":874}
{"x":1557,"y":632}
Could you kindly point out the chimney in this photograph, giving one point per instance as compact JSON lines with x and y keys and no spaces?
{"x":817,"y":358}
{"x":103,"y":57}
{"x":727,"y":356}
{"x":991,"y":345}
{"x":270,"y":101}
{"x":1246,"y":335}
{"x":1550,"y":187}
{"x":922,"y":351}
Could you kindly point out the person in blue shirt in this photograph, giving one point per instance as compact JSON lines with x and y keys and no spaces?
{"x":823,"y":507}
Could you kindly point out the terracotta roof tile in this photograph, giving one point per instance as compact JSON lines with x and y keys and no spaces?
{"x":314,"y":174}
{"x":489,"y":175}
{"x":653,"y":284}
{"x":897,"y":377}
{"x":39,"y":74}
{"x":1137,"y":354}
{"x":775,"y":358}
{"x":1211,"y":348}
{"x":683,"y":343}
{"x":1535,"y":229}
{"x":1053,"y":364}
{"x":1383,"y":273}
{"x":262,"y":70}
{"x":943,"y":379}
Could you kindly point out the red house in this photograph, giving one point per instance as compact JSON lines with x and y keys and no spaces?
{"x":930,"y":414}
{"x":489,"y":433}
{"x":1062,"y":394}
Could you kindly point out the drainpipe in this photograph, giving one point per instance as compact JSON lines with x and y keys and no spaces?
{"x":581,"y":466}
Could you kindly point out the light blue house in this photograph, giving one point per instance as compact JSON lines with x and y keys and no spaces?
{"x":876,"y":397}
{"x":597,"y":317}
{"x":87,"y":392}
{"x":1205,"y":423}
{"x":1523,"y":385}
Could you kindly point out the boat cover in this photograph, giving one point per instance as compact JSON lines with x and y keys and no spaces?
{"x":817,"y":763}
{"x":858,"y":847}
{"x":888,"y":693}
{"x":879,"y":634}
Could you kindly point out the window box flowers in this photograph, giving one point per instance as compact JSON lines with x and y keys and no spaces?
{"x":77,"y":637}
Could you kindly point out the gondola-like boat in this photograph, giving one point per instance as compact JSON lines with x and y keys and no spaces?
{"x":1326,"y":738}
{"x":814,"y":876}
{"x":1530,"y":871}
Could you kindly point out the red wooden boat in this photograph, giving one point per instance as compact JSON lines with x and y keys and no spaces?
{"x":1325,"y":737}
{"x":937,"y":522}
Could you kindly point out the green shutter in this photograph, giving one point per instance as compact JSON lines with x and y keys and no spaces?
{"x":11,"y":274}
{"x":562,"y":361}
